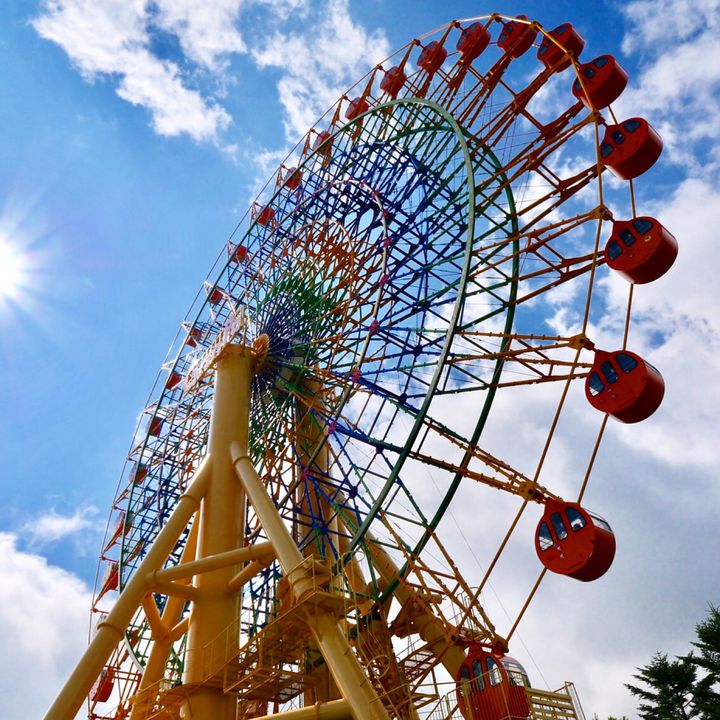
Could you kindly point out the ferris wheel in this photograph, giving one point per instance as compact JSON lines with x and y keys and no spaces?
{"x":334,"y":377}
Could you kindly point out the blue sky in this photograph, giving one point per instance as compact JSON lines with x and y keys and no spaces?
{"x":134,"y":136}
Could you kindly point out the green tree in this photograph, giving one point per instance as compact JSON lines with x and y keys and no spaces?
{"x":669,"y":689}
{"x":707,"y":688}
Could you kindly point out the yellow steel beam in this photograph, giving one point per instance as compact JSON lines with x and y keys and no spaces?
{"x":311,"y":445}
{"x":286,"y":550}
{"x":431,"y":628}
{"x":157,"y":627}
{"x":213,"y":562}
{"x":173,"y":589}
{"x":346,"y":670}
{"x":248,"y":573}
{"x":222,"y":518}
{"x":178,"y":630}
{"x":332,"y":710}
{"x":112,"y":629}
{"x":157,"y":660}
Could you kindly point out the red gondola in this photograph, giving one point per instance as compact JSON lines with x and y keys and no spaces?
{"x":138,"y":473}
{"x":517,"y":38}
{"x":192,"y":337}
{"x":123,"y":524}
{"x":558,"y":57}
{"x":432,"y":57}
{"x":215,"y":296}
{"x":323,"y":143}
{"x":293,"y":179}
{"x":393,"y":81}
{"x":357,"y":107}
{"x":624,"y":385}
{"x":630,"y":148}
{"x":491,"y":686}
{"x":103,"y":686}
{"x":128,"y":522}
{"x":572,"y":541}
{"x":109,"y":580}
{"x":135,"y":551}
{"x":117,"y":532}
{"x":473,"y":41}
{"x":173,"y":381}
{"x":263,"y":216}
{"x":641,"y":250}
{"x":237,"y":253}
{"x":155,"y":426}
{"x":603,"y":79}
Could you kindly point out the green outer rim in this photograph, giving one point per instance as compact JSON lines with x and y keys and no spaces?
{"x":450,"y":336}
{"x":479,"y":427}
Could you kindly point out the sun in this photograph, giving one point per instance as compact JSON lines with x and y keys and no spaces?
{"x":13,"y":270}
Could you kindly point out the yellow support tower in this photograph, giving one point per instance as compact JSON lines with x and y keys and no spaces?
{"x":112,"y":630}
{"x":349,"y":676}
{"x":212,"y":558}
{"x":221,"y":519}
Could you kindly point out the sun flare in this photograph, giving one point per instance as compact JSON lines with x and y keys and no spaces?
{"x":13,"y":270}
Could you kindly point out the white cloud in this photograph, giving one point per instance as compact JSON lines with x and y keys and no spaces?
{"x":52,"y":526}
{"x":116,"y":40}
{"x":157,"y":86}
{"x":317,"y":67}
{"x":43,"y":624}
{"x":683,"y":79}
{"x":112,"y":38}
{"x":655,"y":482}
{"x":280,"y":10}
{"x":676,"y":325}
{"x":207,"y":31}
{"x":266,"y":163}
{"x":649,"y":21}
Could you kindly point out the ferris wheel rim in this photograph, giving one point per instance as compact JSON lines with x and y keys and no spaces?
{"x":360,"y":536}
{"x":449,"y":332}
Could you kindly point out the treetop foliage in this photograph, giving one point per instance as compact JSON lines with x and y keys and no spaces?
{"x":688,"y":687}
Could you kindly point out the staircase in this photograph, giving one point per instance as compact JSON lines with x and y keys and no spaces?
{"x":560,"y":705}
